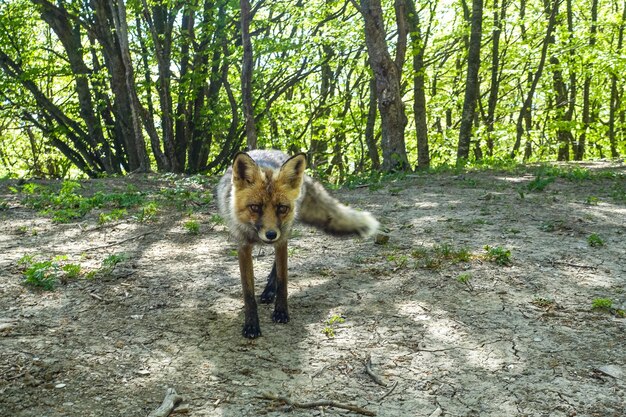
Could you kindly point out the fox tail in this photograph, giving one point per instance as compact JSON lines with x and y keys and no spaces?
{"x":320,"y":210}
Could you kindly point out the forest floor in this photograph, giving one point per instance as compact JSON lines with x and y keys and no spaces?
{"x":146,"y":296}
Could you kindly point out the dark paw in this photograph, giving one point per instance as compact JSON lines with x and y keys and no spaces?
{"x":268,"y":296}
{"x":251,"y":331}
{"x":280,"y":316}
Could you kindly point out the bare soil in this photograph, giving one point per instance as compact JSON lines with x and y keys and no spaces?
{"x":445,"y":336}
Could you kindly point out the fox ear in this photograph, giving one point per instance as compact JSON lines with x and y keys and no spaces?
{"x":245,"y":170}
{"x":292,"y":171}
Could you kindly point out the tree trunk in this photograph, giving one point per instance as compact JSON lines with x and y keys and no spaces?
{"x":388,"y":94}
{"x":118,"y":12}
{"x":499,"y":14}
{"x":579,"y":151}
{"x":524,"y":114}
{"x":418,"y":46}
{"x":319,"y":144}
{"x":147,"y":116}
{"x":111,"y":32}
{"x":564,"y":101}
{"x":160,"y":22}
{"x":615,"y":103}
{"x":370,"y":135}
{"x":246,"y":75}
{"x":70,"y":37}
{"x":472,"y":85}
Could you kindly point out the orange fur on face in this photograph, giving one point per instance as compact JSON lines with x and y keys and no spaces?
{"x":265,"y":198}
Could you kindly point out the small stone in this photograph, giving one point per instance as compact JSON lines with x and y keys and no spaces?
{"x":381,"y":239}
{"x":60,"y":385}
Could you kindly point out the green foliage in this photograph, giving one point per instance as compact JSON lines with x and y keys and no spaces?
{"x":184,"y":195}
{"x":217,"y":219}
{"x":148,"y":212}
{"x":436,"y":257}
{"x":45,"y":274}
{"x":466,"y":279}
{"x":601,"y":304}
{"x":68,"y":204}
{"x":331,"y":323}
{"x":112,"y":260}
{"x":498,"y":255}
{"x":310,"y":93}
{"x":113,"y":215}
{"x":539,"y":183}
{"x":594,"y":240}
{"x":192,"y":227}
{"x":543,"y":302}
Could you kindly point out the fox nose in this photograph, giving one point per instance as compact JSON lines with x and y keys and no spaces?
{"x":271,"y":234}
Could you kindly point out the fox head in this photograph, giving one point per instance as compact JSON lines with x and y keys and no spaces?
{"x":264,"y":199}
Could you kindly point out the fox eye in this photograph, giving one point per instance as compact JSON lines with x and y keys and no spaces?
{"x":282,"y":209}
{"x":255,"y":208}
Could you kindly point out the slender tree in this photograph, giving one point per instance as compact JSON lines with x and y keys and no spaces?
{"x":472,"y":85}
{"x":388,"y":93}
{"x":418,"y":48}
{"x":615,"y":102}
{"x":246,"y":75}
{"x":524,"y":113}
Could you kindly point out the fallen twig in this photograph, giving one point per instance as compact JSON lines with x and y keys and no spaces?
{"x":389,"y":391}
{"x":573,"y":265}
{"x":96,"y":296}
{"x":119,"y":242}
{"x":368,"y":370}
{"x":171,"y":400}
{"x":315,"y":404}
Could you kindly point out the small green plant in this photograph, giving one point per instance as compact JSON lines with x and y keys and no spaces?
{"x":618,"y":192}
{"x":25,"y":260}
{"x":419,"y":253}
{"x":602,"y":304}
{"x":45,"y":274}
{"x":42,"y":275}
{"x":331,"y":322}
{"x":71,"y":271}
{"x":543,"y":302}
{"x":398,"y":260}
{"x":217,"y":219}
{"x":113,"y":215}
{"x":592,"y":200}
{"x":594,"y":240}
{"x":329,"y":332}
{"x":498,"y":255}
{"x":539,"y":183}
{"x":112,"y":260}
{"x":466,"y":279}
{"x":148,"y":212}
{"x":192,"y":227}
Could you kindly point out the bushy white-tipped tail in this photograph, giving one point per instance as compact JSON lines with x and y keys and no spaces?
{"x":321,"y":210}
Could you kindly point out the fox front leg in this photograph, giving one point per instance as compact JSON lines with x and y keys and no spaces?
{"x":251,"y":328}
{"x":281,"y":311}
{"x":269,"y":293}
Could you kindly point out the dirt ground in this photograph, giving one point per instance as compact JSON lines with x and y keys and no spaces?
{"x":445,"y":334}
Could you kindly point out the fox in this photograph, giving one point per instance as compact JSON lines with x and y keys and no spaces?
{"x":260,"y":197}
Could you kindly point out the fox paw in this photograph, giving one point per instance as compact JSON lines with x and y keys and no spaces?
{"x":251,"y":331}
{"x":280,"y":316}
{"x":268,"y":296}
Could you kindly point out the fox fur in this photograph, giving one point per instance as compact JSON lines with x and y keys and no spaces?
{"x":260,"y":197}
